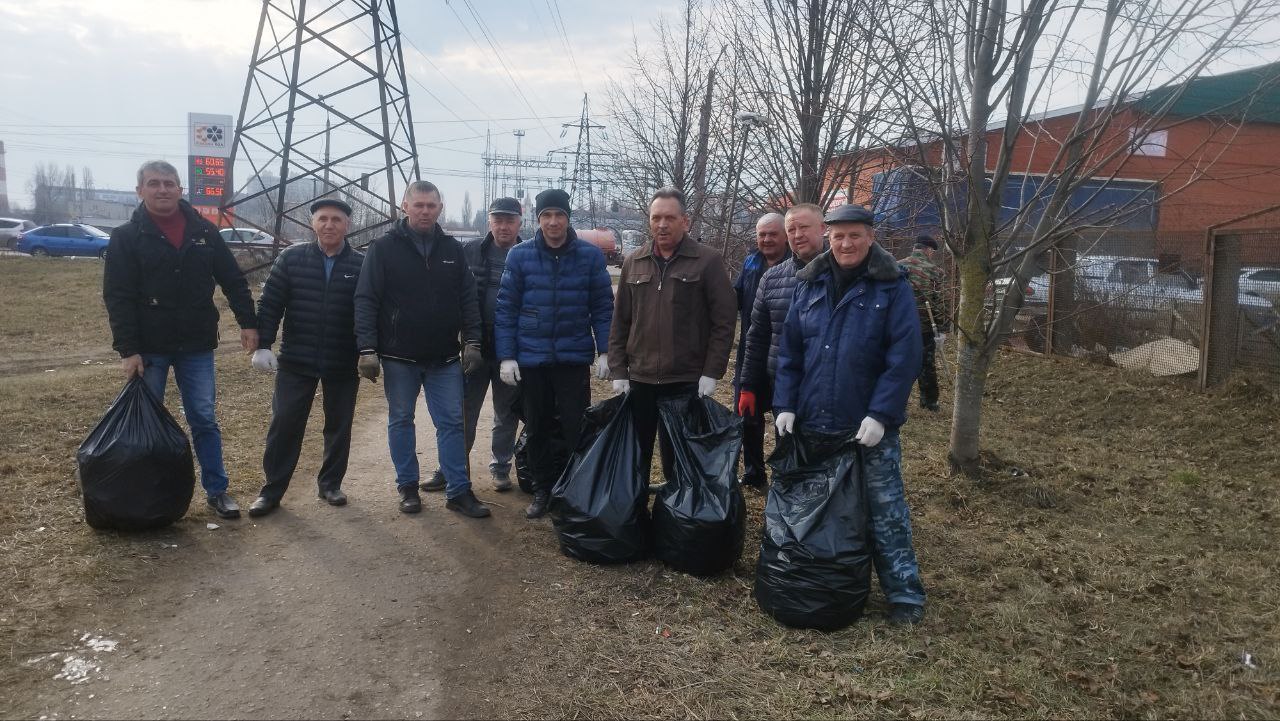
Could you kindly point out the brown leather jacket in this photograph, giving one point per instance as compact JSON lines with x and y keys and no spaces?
{"x":675,"y":325}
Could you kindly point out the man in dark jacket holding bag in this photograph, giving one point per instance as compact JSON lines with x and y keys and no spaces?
{"x":673,"y":319}
{"x":415,"y":298}
{"x":849,"y":354}
{"x":158,"y":284}
{"x":312,"y":287}
{"x":552,"y":325}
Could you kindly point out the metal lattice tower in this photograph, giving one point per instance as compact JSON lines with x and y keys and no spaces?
{"x":586,"y":167}
{"x":336,"y":61}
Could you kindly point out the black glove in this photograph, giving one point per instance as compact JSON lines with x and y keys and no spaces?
{"x":472,"y":359}
{"x":369,"y":367}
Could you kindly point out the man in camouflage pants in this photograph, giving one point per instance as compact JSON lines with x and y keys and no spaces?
{"x":926,"y":283}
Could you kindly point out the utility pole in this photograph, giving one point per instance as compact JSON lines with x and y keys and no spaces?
{"x":519,"y":187}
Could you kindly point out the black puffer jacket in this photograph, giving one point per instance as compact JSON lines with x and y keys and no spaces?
{"x":768,"y":311}
{"x":319,"y":336}
{"x":487,"y":261}
{"x":159,"y":298}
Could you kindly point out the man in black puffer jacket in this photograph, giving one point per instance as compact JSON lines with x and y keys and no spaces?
{"x":313,"y":288}
{"x":415,"y":298}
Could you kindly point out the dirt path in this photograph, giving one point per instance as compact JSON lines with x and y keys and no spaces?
{"x":312,"y":612}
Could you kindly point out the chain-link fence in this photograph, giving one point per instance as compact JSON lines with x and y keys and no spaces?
{"x":1202,"y":303}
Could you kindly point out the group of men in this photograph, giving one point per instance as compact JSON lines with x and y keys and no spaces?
{"x":831,"y":338}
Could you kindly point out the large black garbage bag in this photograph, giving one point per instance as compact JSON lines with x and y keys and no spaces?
{"x":136,"y":470}
{"x":700,"y":516}
{"x":524,"y":473}
{"x":600,"y":505}
{"x":815,"y":556}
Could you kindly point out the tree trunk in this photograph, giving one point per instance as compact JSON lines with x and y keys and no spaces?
{"x":974,"y":356}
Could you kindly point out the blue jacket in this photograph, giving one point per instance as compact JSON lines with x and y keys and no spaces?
{"x":839,"y":365}
{"x":549,"y":308}
{"x":753,"y":268}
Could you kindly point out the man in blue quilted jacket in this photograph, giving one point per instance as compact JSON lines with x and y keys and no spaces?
{"x":849,"y":354}
{"x":555,"y":305}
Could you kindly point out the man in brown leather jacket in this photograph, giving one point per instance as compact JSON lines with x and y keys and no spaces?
{"x":673,"y":319}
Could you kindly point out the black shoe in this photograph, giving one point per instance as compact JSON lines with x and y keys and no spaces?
{"x":436,"y":483}
{"x":224,"y":505}
{"x":410,"y":502}
{"x":501,"y":482}
{"x":262,"y":506}
{"x":468,"y":505}
{"x":905,"y":614}
{"x":929,"y":406}
{"x":541,"y":504}
{"x":335,"y":497}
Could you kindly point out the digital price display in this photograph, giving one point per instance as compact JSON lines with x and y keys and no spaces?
{"x":208,"y":176}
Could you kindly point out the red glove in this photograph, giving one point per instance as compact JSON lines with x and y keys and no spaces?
{"x":746,"y":403}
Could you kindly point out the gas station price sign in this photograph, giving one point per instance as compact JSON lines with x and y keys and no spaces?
{"x":208,"y":176}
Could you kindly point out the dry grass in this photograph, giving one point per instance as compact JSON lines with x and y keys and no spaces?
{"x":1133,"y":596}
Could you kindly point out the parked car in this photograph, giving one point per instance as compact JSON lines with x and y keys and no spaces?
{"x":1261,"y":282}
{"x":64,"y":239}
{"x":246,"y":236}
{"x":10,"y":228}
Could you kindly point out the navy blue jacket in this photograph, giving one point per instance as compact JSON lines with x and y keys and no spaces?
{"x":549,"y":307}
{"x":319,"y":336}
{"x":839,"y":365}
{"x":753,"y":268}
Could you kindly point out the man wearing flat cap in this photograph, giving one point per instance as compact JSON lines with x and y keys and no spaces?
{"x":935,"y":320}
{"x":552,"y":327}
{"x":311,"y":289}
{"x":850,"y":353}
{"x":487,"y":258}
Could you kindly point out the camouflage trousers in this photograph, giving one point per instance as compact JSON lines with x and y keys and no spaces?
{"x":892,"y":552}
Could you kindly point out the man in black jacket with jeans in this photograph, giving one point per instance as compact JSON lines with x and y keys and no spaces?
{"x":415,"y":297}
{"x":158,"y":284}
{"x":312,"y":287}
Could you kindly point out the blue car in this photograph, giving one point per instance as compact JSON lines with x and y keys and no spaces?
{"x":64,"y":239}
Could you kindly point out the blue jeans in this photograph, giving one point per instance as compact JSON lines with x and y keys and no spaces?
{"x":193,"y":372}
{"x":892,"y":550}
{"x":443,"y":387}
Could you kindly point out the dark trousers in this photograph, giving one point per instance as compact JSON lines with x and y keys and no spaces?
{"x":928,"y":371}
{"x":753,"y":467}
{"x":554,"y":398}
{"x":644,"y":409}
{"x":290,"y":406}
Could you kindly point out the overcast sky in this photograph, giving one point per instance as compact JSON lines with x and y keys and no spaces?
{"x":108,"y":84}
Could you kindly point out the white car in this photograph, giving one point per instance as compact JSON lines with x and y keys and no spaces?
{"x":246,"y":236}
{"x":11,"y":228}
{"x":1261,"y":282}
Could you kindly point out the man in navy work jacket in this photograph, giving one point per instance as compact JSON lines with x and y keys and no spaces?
{"x":554,"y":311}
{"x":312,"y":288}
{"x":158,"y":285}
{"x":850,"y":353}
{"x":771,"y":249}
{"x":415,"y":297}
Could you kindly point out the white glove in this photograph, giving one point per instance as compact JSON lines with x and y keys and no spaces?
{"x":939,"y":338}
{"x":263,"y":359}
{"x":602,"y":366}
{"x":706,"y":386}
{"x":509,"y":372}
{"x":870,"y":433}
{"x":786,"y":423}
{"x":621,"y":386}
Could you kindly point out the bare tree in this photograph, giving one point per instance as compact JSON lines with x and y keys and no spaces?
{"x":51,"y":190}
{"x":981,"y":76}
{"x":467,"y":213}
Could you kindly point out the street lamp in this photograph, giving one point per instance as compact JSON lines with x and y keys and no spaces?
{"x":747,"y":120}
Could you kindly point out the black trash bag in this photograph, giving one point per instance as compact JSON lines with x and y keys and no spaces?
{"x":700,"y":516}
{"x":524,"y":474}
{"x":815,"y":555}
{"x":136,"y":470}
{"x":600,"y":504}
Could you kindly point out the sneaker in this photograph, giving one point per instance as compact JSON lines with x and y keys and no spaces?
{"x":437,"y":483}
{"x":501,"y":482}
{"x":410,"y":502}
{"x":468,"y":505}
{"x":905,"y":614}
{"x":224,"y":506}
{"x":541,"y":504}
